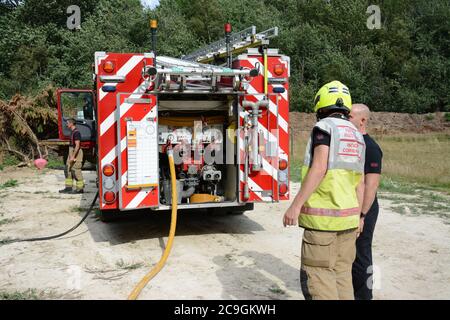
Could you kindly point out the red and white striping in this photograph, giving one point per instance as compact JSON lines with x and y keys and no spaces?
{"x":139,"y":198}
{"x":274,"y":126}
{"x":130,"y":66}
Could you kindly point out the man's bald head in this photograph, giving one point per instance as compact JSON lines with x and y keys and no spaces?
{"x":359,"y":108}
{"x":359,"y":116}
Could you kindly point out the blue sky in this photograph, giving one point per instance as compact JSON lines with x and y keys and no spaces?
{"x":150,"y":3}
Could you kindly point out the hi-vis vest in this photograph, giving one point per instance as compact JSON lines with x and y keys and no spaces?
{"x":334,"y":204}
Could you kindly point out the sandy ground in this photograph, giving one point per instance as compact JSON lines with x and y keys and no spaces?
{"x":250,"y":256}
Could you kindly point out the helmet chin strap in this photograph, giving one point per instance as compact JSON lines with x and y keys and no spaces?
{"x":341,"y":114}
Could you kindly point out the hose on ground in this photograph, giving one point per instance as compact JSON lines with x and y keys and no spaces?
{"x":8,"y":241}
{"x":173,"y":223}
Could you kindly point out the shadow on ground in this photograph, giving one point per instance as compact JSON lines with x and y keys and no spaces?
{"x":256,"y":275}
{"x":147,"y":224}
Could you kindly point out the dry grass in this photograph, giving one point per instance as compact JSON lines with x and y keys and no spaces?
{"x":419,"y":158}
{"x":410,"y":158}
{"x":298,"y":147}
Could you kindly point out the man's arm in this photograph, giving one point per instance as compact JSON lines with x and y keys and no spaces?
{"x":372,"y":170}
{"x":371,"y":183}
{"x":360,"y":192}
{"x":360,"y":189}
{"x":312,"y":180}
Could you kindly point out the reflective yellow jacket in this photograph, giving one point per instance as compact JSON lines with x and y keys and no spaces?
{"x":334,"y":204}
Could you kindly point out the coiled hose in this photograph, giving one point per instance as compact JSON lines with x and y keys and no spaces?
{"x":173,"y":224}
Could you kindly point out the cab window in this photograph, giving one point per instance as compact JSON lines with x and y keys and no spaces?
{"x":77,"y":105}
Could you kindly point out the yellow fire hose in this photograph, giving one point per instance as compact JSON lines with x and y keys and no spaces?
{"x":173,"y":224}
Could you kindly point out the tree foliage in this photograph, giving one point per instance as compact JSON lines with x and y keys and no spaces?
{"x":404,"y":66}
{"x":24,"y":121}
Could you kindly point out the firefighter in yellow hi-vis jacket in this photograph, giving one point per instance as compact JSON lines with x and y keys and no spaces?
{"x":328,"y":205}
{"x":74,"y":162}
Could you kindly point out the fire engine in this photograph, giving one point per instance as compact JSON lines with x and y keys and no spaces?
{"x":223,"y":110}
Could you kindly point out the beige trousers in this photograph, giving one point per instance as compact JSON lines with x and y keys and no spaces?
{"x":73,"y":170}
{"x":326,"y":264}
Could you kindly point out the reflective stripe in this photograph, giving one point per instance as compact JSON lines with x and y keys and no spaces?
{"x":323,"y":223}
{"x":331,"y":212}
{"x":80,"y":184}
{"x":69,"y":182}
{"x":123,"y":71}
{"x":336,"y":190}
{"x":137,"y":200}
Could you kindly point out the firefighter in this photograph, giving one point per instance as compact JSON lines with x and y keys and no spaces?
{"x":74,"y":162}
{"x":328,"y":205}
{"x":363,"y":266}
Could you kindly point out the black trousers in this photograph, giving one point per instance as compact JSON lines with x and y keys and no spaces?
{"x":361,"y":274}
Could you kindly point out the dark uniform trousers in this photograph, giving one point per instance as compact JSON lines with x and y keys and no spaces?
{"x":362,"y":273}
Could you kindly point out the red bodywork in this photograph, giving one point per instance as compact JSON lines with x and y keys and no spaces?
{"x":274,"y":119}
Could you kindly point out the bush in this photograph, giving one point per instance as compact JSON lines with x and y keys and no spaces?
{"x":10,"y":160}
{"x":447,"y":116}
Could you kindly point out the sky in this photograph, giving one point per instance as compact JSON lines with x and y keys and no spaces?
{"x":150,"y":3}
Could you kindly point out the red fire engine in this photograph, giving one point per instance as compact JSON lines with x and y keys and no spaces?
{"x":223,"y":110}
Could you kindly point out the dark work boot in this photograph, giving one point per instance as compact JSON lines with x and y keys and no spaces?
{"x":77,"y":191}
{"x":66,"y":190}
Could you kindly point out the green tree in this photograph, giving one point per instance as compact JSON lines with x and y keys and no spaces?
{"x":404,"y":66}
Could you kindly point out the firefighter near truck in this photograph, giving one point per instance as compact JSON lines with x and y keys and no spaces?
{"x":221,"y":113}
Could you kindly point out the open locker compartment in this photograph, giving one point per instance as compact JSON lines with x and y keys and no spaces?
{"x":200,"y":128}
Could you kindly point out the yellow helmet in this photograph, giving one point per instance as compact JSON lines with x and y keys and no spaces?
{"x":333,"y":95}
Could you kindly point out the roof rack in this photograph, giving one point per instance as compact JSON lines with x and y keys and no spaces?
{"x":239,"y":42}
{"x":176,"y":75}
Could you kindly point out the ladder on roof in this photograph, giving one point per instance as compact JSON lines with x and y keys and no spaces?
{"x":239,"y":42}
{"x":176,"y":75}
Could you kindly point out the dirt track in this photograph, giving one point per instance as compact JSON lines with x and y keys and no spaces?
{"x":214,"y":257}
